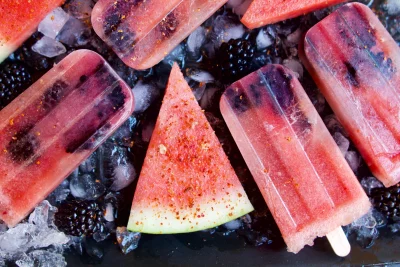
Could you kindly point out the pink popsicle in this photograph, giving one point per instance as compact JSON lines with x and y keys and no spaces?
{"x":54,"y":125}
{"x":19,"y":21}
{"x":306,"y":182}
{"x":142,"y":33}
{"x":356,"y":64}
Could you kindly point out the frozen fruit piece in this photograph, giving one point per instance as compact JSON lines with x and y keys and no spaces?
{"x":20,"y":19}
{"x":54,"y":125}
{"x":356,"y":64}
{"x":187,"y":183}
{"x":142,"y":33}
{"x":263,"y":12}
{"x":307,"y":184}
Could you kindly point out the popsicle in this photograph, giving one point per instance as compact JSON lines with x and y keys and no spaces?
{"x":53,"y":126}
{"x":263,"y":12}
{"x":19,"y":21}
{"x":307,"y":184}
{"x":356,"y":64}
{"x":142,"y":33}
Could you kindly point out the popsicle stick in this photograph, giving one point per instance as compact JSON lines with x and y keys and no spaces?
{"x":339,"y":242}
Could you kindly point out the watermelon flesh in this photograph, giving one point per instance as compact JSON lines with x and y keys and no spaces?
{"x":264,"y":12}
{"x":356,"y":64}
{"x":19,"y":20}
{"x":142,"y":33}
{"x":54,"y":125}
{"x":187,"y":183}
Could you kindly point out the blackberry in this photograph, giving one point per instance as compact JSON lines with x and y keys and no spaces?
{"x":14,"y":79}
{"x":387,"y":201}
{"x":80,"y":218}
{"x":234,"y":60}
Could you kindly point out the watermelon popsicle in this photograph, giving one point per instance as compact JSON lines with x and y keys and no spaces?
{"x":307,"y":184}
{"x":356,"y":64}
{"x":263,"y":12}
{"x":20,"y":19}
{"x":48,"y":130}
{"x":142,"y":33}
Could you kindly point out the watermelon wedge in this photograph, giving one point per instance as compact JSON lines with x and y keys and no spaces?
{"x":187,"y":183}
{"x":264,"y":12}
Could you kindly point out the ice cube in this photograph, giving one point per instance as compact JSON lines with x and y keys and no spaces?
{"x":43,"y":215}
{"x":392,"y":6}
{"x":45,"y":258}
{"x":75,"y":33}
{"x":109,"y":213}
{"x":51,"y":25}
{"x":124,"y":175}
{"x":334,"y":125}
{"x":115,"y":166}
{"x":395,"y":227}
{"x":365,"y":229}
{"x":176,"y":55}
{"x":225,"y":28}
{"x":294,"y":38}
{"x":145,"y":94}
{"x":195,"y":40}
{"x":295,"y":66}
{"x":127,"y":241}
{"x":354,"y":160}
{"x":80,"y":9}
{"x":60,"y":193}
{"x":86,"y":187}
{"x":233,"y":225}
{"x":342,"y":142}
{"x":49,"y":47}
{"x":200,"y":76}
{"x":369,"y":183}
{"x":263,"y":39}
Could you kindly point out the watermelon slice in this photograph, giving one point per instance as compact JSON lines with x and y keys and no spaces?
{"x":263,"y":12}
{"x":19,"y":20}
{"x":187,"y":183}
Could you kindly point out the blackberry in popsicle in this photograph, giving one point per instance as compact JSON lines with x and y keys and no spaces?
{"x":54,"y":125}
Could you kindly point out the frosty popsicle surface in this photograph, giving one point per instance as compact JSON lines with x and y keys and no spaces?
{"x":306,"y":182}
{"x":142,"y":33}
{"x":356,"y":64}
{"x":48,"y":130}
{"x":19,"y":21}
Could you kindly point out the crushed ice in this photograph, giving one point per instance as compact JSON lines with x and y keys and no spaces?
{"x":28,"y":243}
{"x":365,"y":229}
{"x":49,"y":47}
{"x":52,"y":24}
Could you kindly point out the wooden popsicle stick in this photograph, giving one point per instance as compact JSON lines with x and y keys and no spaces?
{"x":339,"y":242}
